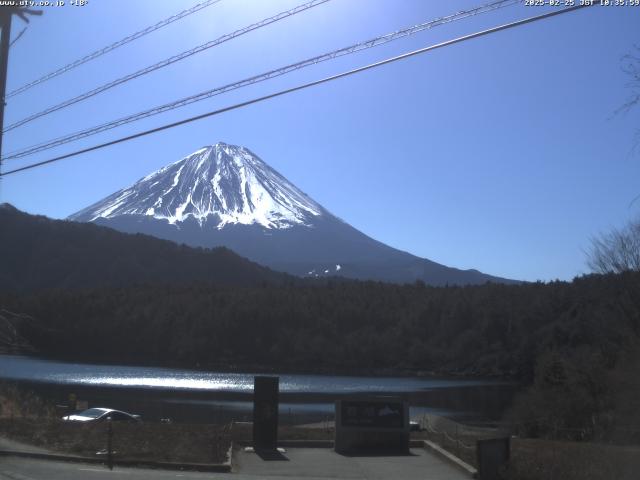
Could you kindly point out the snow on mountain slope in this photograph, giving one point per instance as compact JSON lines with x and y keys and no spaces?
{"x":223,"y":184}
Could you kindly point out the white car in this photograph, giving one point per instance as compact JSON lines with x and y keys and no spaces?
{"x":101,"y":414}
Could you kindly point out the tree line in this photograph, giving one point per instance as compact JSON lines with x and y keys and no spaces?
{"x":491,"y":330}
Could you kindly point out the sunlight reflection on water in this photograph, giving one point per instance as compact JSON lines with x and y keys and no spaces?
{"x":164,"y":382}
{"x":58,"y":372}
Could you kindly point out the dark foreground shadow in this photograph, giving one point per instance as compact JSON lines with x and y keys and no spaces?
{"x":271,"y":456}
{"x":377,"y":453}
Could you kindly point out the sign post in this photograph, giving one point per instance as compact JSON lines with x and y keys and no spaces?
{"x":109,"y":443}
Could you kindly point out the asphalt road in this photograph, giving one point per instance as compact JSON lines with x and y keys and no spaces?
{"x":308,"y":463}
{"x":324,"y":463}
{"x":14,"y":468}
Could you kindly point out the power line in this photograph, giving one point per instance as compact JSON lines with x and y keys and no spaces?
{"x":113,"y":46}
{"x":380,"y":40}
{"x":168,"y":61}
{"x":18,"y":36}
{"x":303,"y":86}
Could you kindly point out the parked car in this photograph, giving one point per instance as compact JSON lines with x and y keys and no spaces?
{"x":414,"y":426}
{"x":101,"y":414}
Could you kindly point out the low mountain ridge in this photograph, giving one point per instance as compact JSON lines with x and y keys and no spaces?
{"x":40,"y":253}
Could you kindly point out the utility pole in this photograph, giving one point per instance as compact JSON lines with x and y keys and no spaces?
{"x":5,"y":38}
{"x":6,"y":14}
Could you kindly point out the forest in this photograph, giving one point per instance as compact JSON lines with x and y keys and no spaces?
{"x":488,"y":330}
{"x":575,"y":345}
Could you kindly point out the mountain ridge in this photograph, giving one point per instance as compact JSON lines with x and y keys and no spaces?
{"x":37,"y":252}
{"x":225,"y":195}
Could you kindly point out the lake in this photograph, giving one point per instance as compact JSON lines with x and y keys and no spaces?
{"x":193,"y":395}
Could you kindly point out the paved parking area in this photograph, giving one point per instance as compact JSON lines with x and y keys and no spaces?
{"x":324,"y":463}
{"x":307,"y":463}
{"x":14,"y":468}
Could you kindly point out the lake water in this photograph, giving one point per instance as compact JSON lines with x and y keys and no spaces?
{"x":193,"y":395}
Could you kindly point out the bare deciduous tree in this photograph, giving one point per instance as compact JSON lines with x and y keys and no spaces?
{"x":631,"y":66}
{"x":617,"y":251}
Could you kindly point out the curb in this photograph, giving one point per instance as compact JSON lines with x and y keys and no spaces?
{"x":306,"y":443}
{"x":229,"y":462}
{"x":450,"y":458}
{"x":295,"y":443}
{"x":202,"y":467}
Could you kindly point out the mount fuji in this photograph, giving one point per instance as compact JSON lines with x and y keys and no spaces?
{"x":225,"y":195}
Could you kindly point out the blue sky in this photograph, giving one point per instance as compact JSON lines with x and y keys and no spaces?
{"x":502,"y":153}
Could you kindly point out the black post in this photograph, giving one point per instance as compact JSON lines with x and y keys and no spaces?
{"x":265,"y":413}
{"x":109,"y":443}
{"x":5,"y":39}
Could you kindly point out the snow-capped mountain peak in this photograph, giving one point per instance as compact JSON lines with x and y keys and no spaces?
{"x":220,"y":184}
{"x":224,"y":195}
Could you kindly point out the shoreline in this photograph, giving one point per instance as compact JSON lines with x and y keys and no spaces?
{"x":162,"y":393}
{"x":251,"y":369}
{"x":478,"y":403}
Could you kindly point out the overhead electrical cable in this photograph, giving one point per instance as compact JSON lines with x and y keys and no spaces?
{"x":113,"y":46}
{"x":258,"y":78}
{"x":302,"y":87}
{"x":167,"y":62}
{"x":18,"y":36}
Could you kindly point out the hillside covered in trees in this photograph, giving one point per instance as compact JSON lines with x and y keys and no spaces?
{"x":37,"y":252}
{"x":347,"y":326}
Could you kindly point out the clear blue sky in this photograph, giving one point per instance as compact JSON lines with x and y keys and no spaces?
{"x":502,"y":154}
